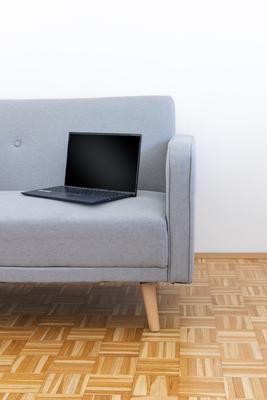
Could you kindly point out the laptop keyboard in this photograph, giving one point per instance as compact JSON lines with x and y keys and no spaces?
{"x":84,"y":191}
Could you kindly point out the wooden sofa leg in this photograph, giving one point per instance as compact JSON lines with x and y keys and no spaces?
{"x":149,"y":291}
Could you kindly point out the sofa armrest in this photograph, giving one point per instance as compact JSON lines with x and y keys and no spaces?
{"x":180,"y":207}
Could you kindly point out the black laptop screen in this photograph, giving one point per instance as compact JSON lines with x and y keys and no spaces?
{"x":103,"y":161}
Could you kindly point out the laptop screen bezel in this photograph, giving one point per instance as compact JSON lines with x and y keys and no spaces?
{"x":108,"y":134}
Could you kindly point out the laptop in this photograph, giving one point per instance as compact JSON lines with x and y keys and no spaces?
{"x":100,"y":167}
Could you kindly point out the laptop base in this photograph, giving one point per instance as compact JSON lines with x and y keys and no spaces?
{"x":78,"y":195}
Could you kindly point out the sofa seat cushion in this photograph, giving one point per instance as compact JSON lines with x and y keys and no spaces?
{"x":40,"y":232}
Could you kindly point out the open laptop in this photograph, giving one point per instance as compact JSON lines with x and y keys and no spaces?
{"x":100,"y":167}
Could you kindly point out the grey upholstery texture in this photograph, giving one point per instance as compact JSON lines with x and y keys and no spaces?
{"x":147,"y":238}
{"x":34,"y":134}
{"x":38,"y":232}
{"x":81,"y":274}
{"x":180,"y":207}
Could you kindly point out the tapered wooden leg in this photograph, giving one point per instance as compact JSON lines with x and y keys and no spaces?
{"x":149,"y":291}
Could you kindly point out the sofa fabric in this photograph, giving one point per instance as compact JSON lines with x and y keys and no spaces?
{"x":37,"y":232}
{"x":147,"y":238}
{"x":180,"y":179}
{"x":82,"y":274}
{"x":34,"y":135}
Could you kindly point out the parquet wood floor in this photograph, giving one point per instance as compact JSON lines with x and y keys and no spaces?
{"x":91,"y":342}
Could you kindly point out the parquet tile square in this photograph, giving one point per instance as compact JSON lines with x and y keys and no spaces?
{"x":196,"y":310}
{"x":251,"y":273}
{"x":18,"y":396}
{"x":163,"y":367}
{"x":201,"y":366}
{"x":233,"y":322}
{"x":11,"y":347}
{"x":257,"y":310}
{"x":223,"y":281}
{"x":240,"y":351}
{"x":227,"y":299}
{"x":86,"y":334}
{"x":253,"y":290}
{"x":15,"y":333}
{"x":205,"y":350}
{"x":68,"y":384}
{"x":246,"y":387}
{"x":244,"y":368}
{"x":197,"y":335}
{"x":21,"y":383}
{"x":160,"y":350}
{"x":130,"y":309}
{"x":107,"y":384}
{"x":40,"y":348}
{"x":72,"y":366}
{"x":155,"y":386}
{"x":169,"y":320}
{"x":202,"y":386}
{"x":120,"y":348}
{"x":31,"y":364}
{"x":72,"y":349}
{"x":50,"y":333}
{"x":162,"y":335}
{"x":123,"y":335}
{"x":197,"y":291}
{"x":115,"y":365}
{"x":6,"y":362}
{"x":202,"y":322}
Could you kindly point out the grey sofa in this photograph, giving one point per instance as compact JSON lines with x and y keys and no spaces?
{"x":146,"y":239}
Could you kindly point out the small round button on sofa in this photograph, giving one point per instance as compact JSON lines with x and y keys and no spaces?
{"x":17,"y":143}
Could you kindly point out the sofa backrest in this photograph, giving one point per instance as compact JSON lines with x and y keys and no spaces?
{"x":34,"y":136}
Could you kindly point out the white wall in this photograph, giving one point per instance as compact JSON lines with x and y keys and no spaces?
{"x":211,"y":56}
